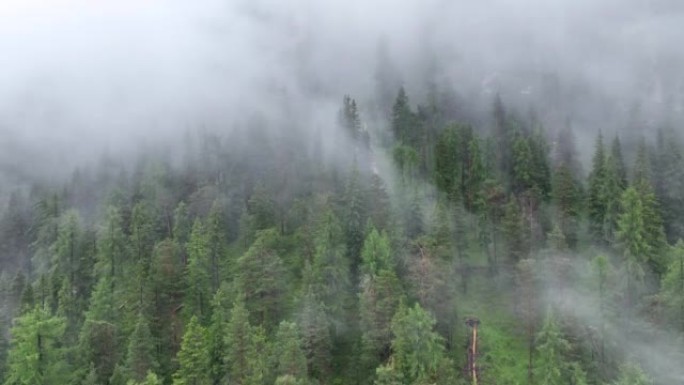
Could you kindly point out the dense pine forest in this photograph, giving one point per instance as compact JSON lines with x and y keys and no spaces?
{"x":429,"y":250}
{"x":341,"y":192}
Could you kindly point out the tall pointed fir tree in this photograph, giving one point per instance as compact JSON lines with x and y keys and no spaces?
{"x":596,"y":197}
{"x":193,"y":357}
{"x":141,"y":357}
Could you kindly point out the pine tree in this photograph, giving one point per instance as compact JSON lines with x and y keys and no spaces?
{"x":349,"y":118}
{"x":193,"y":357}
{"x":473,"y":175}
{"x":515,"y":232}
{"x":568,"y":198}
{"x":616,"y":157}
{"x":354,"y":218}
{"x":404,"y":121}
{"x":198,"y":292}
{"x":181,"y":227}
{"x":99,"y":339}
{"x":288,"y":352}
{"x":246,"y":350}
{"x":673,"y":286}
{"x":376,"y":253}
{"x":112,"y":247}
{"x":526,"y":281}
{"x":150,"y":379}
{"x":331,"y":269}
{"x":35,"y":357}
{"x":316,"y":339}
{"x":447,"y":163}
{"x":596,"y":197}
{"x":631,"y":374}
{"x":523,"y":165}
{"x":654,"y":236}
{"x":380,"y":295}
{"x":633,"y":241}
{"x":552,"y":348}
{"x":262,"y":279}
{"x":67,"y":247}
{"x":166,"y":285}
{"x":379,"y":206}
{"x":141,"y":356}
{"x":215,"y":229}
{"x":601,"y":272}
{"x":216,"y":332}
{"x":416,"y":348}
{"x":388,"y":374}
{"x":91,"y":377}
{"x":142,"y":242}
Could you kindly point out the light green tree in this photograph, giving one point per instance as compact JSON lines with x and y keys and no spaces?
{"x":35,"y":357}
{"x":288,"y":352}
{"x":193,"y":357}
{"x":416,"y":348}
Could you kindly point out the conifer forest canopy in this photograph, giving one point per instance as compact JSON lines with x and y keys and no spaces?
{"x":302,"y":192}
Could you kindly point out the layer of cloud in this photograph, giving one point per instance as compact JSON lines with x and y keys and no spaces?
{"x":79,"y":76}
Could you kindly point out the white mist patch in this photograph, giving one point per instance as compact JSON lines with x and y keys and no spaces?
{"x":659,"y":352}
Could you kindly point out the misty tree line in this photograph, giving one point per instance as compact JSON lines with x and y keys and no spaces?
{"x":261,"y":259}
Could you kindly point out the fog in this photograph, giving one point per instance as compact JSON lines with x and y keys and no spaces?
{"x":629,"y":334}
{"x":78,"y":78}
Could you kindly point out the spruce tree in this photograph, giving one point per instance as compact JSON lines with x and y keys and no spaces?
{"x":631,"y":374}
{"x":317,"y":343}
{"x":552,"y":348}
{"x":416,"y":348}
{"x":263,"y":280}
{"x":633,"y":240}
{"x":197,"y":278}
{"x":193,"y":358}
{"x":673,"y":286}
{"x":287,"y":349}
{"x":35,"y":356}
{"x":331,"y":269}
{"x":141,"y":357}
{"x":596,"y":197}
{"x":246,"y":347}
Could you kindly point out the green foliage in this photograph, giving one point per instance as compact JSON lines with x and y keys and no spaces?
{"x":515,"y":232}
{"x":198,"y":295}
{"x":316,"y":339}
{"x":288,"y":352}
{"x":35,"y":357}
{"x":354,"y":218}
{"x":673,"y":286}
{"x":552,"y":348}
{"x":631,"y":374}
{"x":388,"y":375}
{"x":193,"y":358}
{"x":301,"y":255}
{"x":379,"y":298}
{"x":141,"y":356}
{"x":246,"y":347}
{"x":99,"y":340}
{"x":416,"y":348}
{"x":349,"y":118}
{"x":263,"y":280}
{"x":403,"y":121}
{"x":150,"y":379}
{"x":375,"y":254}
{"x":596,"y":197}
{"x":331,"y":267}
{"x":567,"y":194}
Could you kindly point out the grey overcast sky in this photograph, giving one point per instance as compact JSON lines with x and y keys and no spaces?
{"x":78,"y":76}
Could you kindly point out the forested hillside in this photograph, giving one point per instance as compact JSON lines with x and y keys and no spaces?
{"x":247,"y":257}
